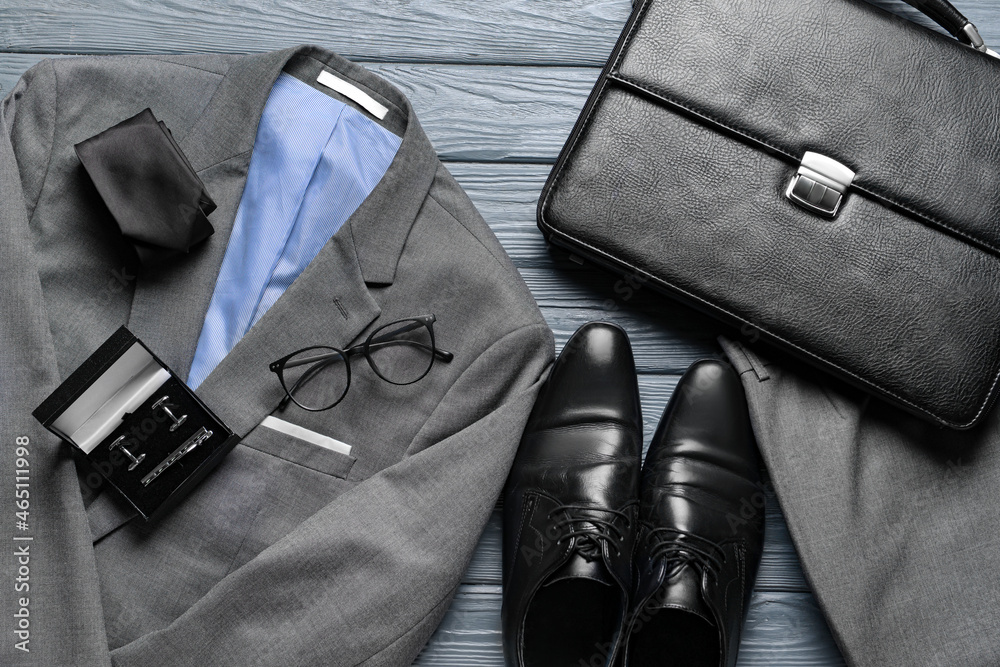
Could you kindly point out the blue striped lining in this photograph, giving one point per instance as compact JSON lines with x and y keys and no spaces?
{"x":315,"y":160}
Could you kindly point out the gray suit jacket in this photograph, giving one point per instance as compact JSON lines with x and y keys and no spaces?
{"x":286,"y":554}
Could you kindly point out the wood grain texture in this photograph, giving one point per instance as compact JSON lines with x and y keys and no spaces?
{"x":510,"y":114}
{"x":13,"y":65}
{"x":781,"y":629}
{"x":540,"y":32}
{"x":471,"y":113}
{"x":503,"y":31}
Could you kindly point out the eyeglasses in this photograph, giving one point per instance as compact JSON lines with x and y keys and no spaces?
{"x":401,"y":352}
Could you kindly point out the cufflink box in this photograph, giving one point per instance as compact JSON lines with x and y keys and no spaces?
{"x":137,"y":424}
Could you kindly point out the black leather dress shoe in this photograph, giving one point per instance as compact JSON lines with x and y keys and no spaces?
{"x":701,"y":527}
{"x":570,"y":507}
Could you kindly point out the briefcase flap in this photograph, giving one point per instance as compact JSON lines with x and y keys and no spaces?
{"x":912,"y":113}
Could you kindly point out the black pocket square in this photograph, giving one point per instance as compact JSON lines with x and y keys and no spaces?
{"x":152,"y":191}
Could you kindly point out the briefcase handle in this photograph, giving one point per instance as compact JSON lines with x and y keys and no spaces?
{"x":944,"y":14}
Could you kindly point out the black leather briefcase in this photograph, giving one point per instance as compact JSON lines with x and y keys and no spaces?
{"x":821,"y":172}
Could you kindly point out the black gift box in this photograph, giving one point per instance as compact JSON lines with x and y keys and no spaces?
{"x":130,"y":416}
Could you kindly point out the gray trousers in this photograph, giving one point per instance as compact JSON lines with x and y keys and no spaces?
{"x":896,"y":521}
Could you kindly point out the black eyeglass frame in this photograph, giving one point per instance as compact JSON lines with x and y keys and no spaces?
{"x":388,"y":338}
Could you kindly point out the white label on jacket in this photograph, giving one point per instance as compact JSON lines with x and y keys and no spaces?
{"x":315,"y":438}
{"x":366,"y":101}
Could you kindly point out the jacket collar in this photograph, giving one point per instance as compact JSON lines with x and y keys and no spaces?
{"x":228,"y":127}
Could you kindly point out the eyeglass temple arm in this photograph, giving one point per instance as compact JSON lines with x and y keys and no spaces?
{"x":443,"y":355}
{"x":409,"y":326}
{"x":329,"y":357}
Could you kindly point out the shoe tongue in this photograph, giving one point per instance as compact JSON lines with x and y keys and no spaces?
{"x":578,"y":567}
{"x":684,"y":592}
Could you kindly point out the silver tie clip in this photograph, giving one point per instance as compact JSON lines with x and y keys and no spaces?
{"x":189,"y":445}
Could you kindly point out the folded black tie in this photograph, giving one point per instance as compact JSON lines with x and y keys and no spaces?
{"x":149,"y":186}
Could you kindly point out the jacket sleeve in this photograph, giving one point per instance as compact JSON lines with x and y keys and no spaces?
{"x":50,"y":606}
{"x":367,"y":579}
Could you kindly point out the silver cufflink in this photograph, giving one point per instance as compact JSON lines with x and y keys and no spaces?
{"x":117,"y":444}
{"x":162,"y":405}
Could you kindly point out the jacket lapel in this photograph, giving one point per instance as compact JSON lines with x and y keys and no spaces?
{"x":169,"y":304}
{"x":329,"y":304}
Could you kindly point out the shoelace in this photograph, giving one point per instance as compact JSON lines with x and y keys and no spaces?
{"x":590,"y":537}
{"x":679,"y":548}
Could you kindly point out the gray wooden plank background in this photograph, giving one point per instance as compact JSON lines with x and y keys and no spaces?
{"x":509,"y":32}
{"x":497,"y":85}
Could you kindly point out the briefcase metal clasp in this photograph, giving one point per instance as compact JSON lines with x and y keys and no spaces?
{"x":820,"y":184}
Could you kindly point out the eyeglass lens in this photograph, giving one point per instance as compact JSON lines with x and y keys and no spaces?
{"x":316,"y":377}
{"x":402,"y":352}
